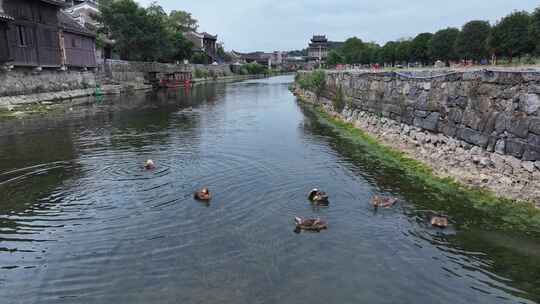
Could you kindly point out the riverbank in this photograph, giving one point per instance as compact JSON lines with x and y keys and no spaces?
{"x":498,"y":202}
{"x":41,"y":103}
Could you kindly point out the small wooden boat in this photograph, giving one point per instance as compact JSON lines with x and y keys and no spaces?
{"x":310,"y":224}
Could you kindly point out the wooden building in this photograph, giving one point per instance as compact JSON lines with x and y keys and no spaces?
{"x":204,"y":42}
{"x":78,"y":43}
{"x":5,"y":19}
{"x":33,"y":35}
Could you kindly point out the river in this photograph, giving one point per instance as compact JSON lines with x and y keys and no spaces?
{"x":81,"y":222}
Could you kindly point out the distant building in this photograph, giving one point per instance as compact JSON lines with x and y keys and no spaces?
{"x":85,"y":12}
{"x":78,"y":43}
{"x":319,"y":47}
{"x":204,"y":42}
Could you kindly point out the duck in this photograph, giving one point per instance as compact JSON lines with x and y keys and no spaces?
{"x":203,"y":195}
{"x":439,"y":221}
{"x":317,"y":196}
{"x":149,"y":165}
{"x":383,"y":202}
{"x":314,"y":224}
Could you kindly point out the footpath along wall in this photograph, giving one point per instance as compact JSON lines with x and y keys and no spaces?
{"x":481,"y":127}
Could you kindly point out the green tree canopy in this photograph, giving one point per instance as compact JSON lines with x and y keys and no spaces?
{"x":183,"y":21}
{"x":403,"y":51}
{"x":442,"y":45}
{"x":420,"y":47}
{"x":389,"y":52}
{"x":142,"y":34}
{"x":352,"y":50}
{"x":334,"y":58}
{"x":471,"y":42}
{"x":535,"y":30}
{"x":510,"y":36}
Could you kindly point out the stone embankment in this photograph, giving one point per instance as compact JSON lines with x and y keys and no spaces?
{"x":479,"y":127}
{"x":26,"y":86}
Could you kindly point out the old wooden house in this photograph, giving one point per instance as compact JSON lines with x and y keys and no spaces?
{"x":5,"y":19}
{"x":78,"y":43}
{"x":33,"y":35}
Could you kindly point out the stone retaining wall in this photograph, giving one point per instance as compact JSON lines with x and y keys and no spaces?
{"x":24,"y":81}
{"x":494,"y":110}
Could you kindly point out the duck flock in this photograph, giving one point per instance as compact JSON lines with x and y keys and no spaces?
{"x":321,"y":199}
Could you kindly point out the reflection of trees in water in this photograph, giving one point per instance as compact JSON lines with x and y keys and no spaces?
{"x":509,"y":256}
{"x":523,"y":267}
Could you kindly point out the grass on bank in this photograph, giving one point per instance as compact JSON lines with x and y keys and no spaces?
{"x":488,"y":210}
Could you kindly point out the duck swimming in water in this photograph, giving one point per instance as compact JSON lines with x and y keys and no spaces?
{"x":318,"y":196}
{"x":439,"y":221}
{"x":383,"y":202}
{"x":149,"y":165}
{"x":203,"y":195}
{"x":310,"y":224}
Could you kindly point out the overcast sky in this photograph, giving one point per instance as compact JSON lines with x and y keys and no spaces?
{"x":268,"y":25}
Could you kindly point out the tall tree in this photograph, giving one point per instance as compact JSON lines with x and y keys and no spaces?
{"x":535,"y":30}
{"x":510,"y":36}
{"x":183,"y":21}
{"x":334,"y":58}
{"x":420,"y":48}
{"x":471,"y":42}
{"x":352,"y":50}
{"x":389,"y":52}
{"x":442,"y":45}
{"x":142,"y":34}
{"x":403,"y":51}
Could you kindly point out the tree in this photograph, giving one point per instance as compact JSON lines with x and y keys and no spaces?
{"x":442,"y":45}
{"x":403,"y":51}
{"x":183,"y":21}
{"x":200,"y":58}
{"x":510,"y":36}
{"x":334,"y":58}
{"x":142,"y":34}
{"x":182,"y":48}
{"x":471,"y":42}
{"x":535,"y":30}
{"x":420,"y":48}
{"x":139,"y":35}
{"x":369,"y":53}
{"x":389,"y":53}
{"x":352,"y":50}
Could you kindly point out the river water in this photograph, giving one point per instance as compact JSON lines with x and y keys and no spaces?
{"x":81,"y":222}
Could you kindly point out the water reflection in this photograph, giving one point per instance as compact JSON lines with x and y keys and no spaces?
{"x":89,"y":225}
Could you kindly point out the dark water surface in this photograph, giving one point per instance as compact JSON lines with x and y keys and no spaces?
{"x":80,"y":222}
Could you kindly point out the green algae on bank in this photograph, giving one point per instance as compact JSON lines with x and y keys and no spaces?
{"x":467,"y":205}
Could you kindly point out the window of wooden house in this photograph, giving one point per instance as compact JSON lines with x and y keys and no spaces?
{"x":74,"y":42}
{"x":21,"y":35}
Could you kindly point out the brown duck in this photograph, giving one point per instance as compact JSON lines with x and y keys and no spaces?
{"x":383,"y":201}
{"x":317,"y":196}
{"x":439,"y":221}
{"x":310,"y":224}
{"x":203,"y":195}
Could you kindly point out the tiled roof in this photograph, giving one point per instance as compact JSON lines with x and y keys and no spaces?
{"x":209,"y":36}
{"x":68,"y":24}
{"x":4,"y":16}
{"x":55,"y":2}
